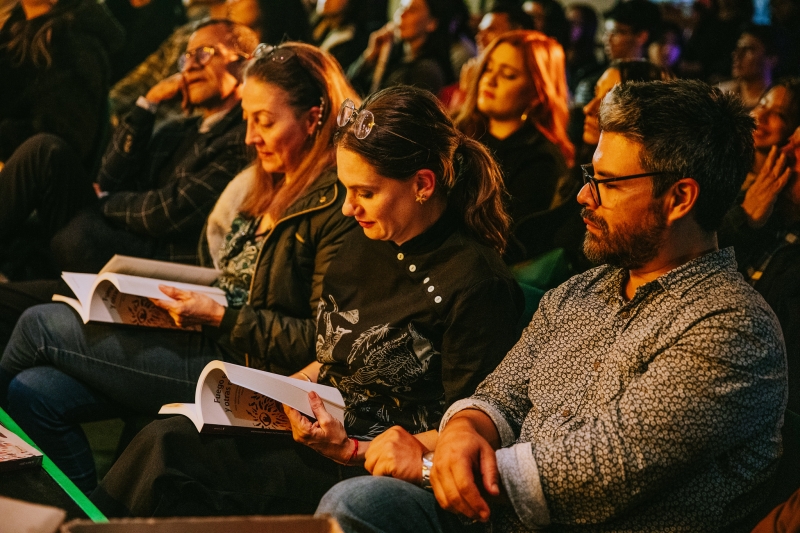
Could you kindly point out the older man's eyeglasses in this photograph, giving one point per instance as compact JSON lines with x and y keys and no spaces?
{"x":201,"y":55}
{"x":588,"y":177}
{"x":363,"y":122}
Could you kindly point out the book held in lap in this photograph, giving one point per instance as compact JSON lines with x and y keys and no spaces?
{"x":240,"y":400}
{"x":120,"y":293}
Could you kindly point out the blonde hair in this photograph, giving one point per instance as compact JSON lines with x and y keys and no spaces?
{"x":310,"y":77}
{"x":544,"y":59}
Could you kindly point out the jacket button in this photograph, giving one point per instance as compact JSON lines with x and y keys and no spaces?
{"x":412,"y":268}
{"x":400,"y":256}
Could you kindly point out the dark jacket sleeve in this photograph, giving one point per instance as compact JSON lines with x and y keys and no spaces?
{"x":185,"y":201}
{"x":481,"y":329}
{"x":274,"y":337}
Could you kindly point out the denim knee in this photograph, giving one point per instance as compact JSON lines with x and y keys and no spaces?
{"x":381,"y":504}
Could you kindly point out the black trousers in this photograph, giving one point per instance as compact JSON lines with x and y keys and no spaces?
{"x":46,"y":175}
{"x":171,"y":470}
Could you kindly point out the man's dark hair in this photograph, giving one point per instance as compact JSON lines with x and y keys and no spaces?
{"x":688,"y":129}
{"x":640,"y":15}
{"x":517,"y":18}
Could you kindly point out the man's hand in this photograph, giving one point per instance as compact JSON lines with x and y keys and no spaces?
{"x":326,"y":436}
{"x":396,"y":453}
{"x":464,"y":473}
{"x":167,"y":89}
{"x":759,"y":200}
{"x":189,"y":308}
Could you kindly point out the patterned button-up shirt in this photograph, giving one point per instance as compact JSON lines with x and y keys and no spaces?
{"x":661,"y":413}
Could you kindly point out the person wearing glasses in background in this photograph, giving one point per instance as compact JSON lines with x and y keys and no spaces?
{"x":416,"y":310}
{"x":284,"y":225}
{"x":154,"y":190}
{"x":646,"y":394}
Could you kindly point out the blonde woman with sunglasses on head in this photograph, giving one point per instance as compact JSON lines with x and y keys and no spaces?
{"x":416,"y":310}
{"x":285,"y":225}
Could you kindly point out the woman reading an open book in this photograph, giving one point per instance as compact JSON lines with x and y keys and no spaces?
{"x":416,"y":310}
{"x":57,"y":371}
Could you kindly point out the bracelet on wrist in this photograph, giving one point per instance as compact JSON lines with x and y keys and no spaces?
{"x":354,"y":454}
{"x":304,"y":375}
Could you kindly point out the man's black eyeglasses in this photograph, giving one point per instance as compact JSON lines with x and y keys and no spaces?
{"x":588,"y":177}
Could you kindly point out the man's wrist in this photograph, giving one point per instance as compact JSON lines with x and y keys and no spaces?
{"x":147,"y":105}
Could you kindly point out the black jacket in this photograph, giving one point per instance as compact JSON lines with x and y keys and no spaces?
{"x":277,"y":328}
{"x":68,"y":98}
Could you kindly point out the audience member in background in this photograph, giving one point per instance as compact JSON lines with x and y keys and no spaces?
{"x":340,"y":29}
{"x":154,"y":189}
{"x":286,"y":228}
{"x":517,"y":107}
{"x":147,"y":23}
{"x":164,"y":62}
{"x":415,"y":310}
{"x":646,"y":394}
{"x":764,"y":228}
{"x":503,"y":17}
{"x":549,"y":18}
{"x":413,"y":49}
{"x":754,"y":60}
{"x":55,"y":75}
{"x":583,"y":66}
{"x":666,"y":49}
{"x":629,"y":27}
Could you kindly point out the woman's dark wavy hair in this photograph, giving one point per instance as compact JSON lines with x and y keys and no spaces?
{"x":465,"y":171}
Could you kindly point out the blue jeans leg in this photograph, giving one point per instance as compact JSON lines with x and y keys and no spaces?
{"x":49,"y":405}
{"x":139,"y":368}
{"x":388,"y":505}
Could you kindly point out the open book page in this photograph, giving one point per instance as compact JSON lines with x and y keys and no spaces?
{"x":164,"y":270}
{"x":111,"y":305}
{"x":148,"y":287}
{"x":292,"y":392}
{"x":223,"y":406}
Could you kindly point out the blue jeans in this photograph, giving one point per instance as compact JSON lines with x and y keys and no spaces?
{"x":57,"y":372}
{"x":389,"y":505}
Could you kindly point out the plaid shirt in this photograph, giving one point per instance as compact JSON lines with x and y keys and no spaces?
{"x":171,"y":211}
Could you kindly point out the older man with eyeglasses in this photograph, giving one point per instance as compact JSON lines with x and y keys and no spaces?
{"x":154,"y":189}
{"x":646,"y":394}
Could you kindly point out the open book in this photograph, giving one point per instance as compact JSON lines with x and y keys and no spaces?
{"x":237,"y":399}
{"x":16,"y":453}
{"x":121,"y":292}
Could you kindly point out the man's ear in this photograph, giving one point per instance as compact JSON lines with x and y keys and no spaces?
{"x":681,"y":198}
{"x":424,"y":183}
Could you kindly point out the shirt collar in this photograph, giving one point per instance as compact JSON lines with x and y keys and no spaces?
{"x":678,"y":281}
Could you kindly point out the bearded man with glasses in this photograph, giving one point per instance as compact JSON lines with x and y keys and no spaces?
{"x":646,"y":394}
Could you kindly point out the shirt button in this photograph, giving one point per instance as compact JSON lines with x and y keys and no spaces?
{"x":596,"y":365}
{"x":438,"y":299}
{"x":430,"y":288}
{"x":412,"y":268}
{"x":565,"y":413}
{"x":400,"y":256}
{"x":426,"y":280}
{"x":625,"y":314}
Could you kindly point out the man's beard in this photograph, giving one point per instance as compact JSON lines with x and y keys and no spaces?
{"x":631,"y":245}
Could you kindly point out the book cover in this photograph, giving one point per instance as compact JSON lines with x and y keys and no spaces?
{"x":15,"y":453}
